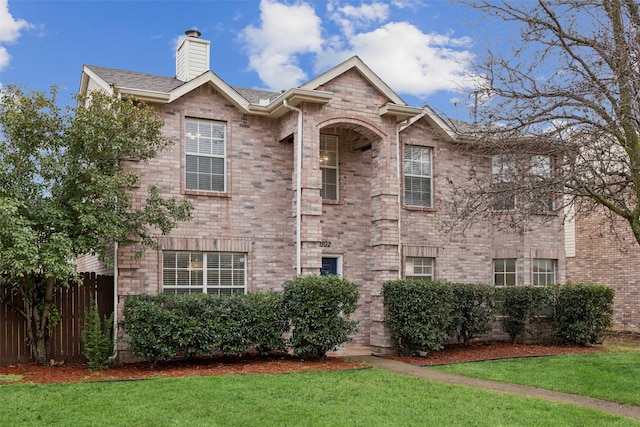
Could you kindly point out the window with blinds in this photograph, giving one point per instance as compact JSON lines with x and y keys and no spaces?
{"x":205,"y":148}
{"x":215,"y":273}
{"x":419,"y":268}
{"x":329,"y":166}
{"x":418,"y":183}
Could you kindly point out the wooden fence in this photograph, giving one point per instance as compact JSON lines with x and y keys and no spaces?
{"x":66,"y":342}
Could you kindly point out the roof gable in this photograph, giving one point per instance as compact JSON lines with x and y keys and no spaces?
{"x":363,"y":69}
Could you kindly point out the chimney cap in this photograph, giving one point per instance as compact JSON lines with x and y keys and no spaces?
{"x":193,"y":33}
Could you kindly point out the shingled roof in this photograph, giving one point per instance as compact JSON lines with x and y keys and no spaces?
{"x":164,"y":84}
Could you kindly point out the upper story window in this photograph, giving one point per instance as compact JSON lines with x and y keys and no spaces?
{"x":206,"y":155}
{"x":418,"y":176}
{"x":541,"y":171}
{"x":504,"y":272}
{"x":544,"y":272}
{"x":329,"y":166}
{"x":503,"y":173}
{"x":419,"y":268}
{"x":214,"y":273}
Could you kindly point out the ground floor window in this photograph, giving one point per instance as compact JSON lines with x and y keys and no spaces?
{"x":544,"y":272}
{"x":214,"y":273}
{"x":504,"y":272}
{"x":419,"y":268}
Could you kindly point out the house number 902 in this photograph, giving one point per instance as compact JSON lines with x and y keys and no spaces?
{"x":325,"y":244}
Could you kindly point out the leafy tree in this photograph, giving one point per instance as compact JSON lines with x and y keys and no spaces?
{"x":63,"y":193}
{"x":562,"y":79}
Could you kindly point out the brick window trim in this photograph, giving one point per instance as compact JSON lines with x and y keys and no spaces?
{"x":223,"y":194}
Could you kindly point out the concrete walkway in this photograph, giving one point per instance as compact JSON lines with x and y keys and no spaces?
{"x":628,"y":411}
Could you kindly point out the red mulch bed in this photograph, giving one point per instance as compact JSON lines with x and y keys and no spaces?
{"x":457,"y":353}
{"x":276,"y":364}
{"x":202,"y":367}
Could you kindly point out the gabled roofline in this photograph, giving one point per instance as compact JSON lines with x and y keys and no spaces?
{"x":369,"y":75}
{"x":211,"y":78}
{"x":437,"y":122}
{"x":275,"y":108}
{"x":87,"y":73}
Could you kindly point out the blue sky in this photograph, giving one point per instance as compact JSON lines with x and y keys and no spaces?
{"x":422,"y":49}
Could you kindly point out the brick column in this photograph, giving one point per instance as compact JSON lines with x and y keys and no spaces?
{"x":385,"y":188}
{"x":311,"y":206}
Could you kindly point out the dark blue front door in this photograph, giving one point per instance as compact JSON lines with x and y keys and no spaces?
{"x":329,"y":266}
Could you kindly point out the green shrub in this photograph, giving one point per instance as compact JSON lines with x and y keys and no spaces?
{"x":231,"y":324}
{"x":473,"y":311}
{"x":163,"y":326}
{"x":151,"y":327}
{"x":97,"y":338}
{"x":418,"y":314}
{"x":583,"y":313}
{"x":319,"y":308}
{"x":522,"y":304}
{"x":268,"y":322}
{"x":193,"y":331}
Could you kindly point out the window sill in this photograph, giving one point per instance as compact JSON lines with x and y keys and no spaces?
{"x":546,"y":213}
{"x":419,"y":208}
{"x":223,"y":194}
{"x":331,"y":202}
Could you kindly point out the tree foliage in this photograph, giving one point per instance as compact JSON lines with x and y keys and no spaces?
{"x":562,"y":79}
{"x":63,"y":192}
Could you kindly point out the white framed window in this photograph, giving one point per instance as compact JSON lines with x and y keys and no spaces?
{"x":544,"y":272}
{"x":504,"y":272}
{"x":419,"y":268}
{"x":206,"y":155}
{"x":214,"y":273}
{"x":541,"y":171}
{"x":329,"y":166}
{"x":418,"y":176}
{"x":503,"y":170}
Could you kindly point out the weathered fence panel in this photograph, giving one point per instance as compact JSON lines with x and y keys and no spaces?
{"x":66,"y":342}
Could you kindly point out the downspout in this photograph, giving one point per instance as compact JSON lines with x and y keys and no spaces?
{"x":298,"y":189}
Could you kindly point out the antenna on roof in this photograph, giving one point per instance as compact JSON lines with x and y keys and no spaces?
{"x":475,"y":105}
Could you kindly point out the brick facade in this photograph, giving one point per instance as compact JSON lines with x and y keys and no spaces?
{"x":606,"y":253}
{"x":369,"y":228}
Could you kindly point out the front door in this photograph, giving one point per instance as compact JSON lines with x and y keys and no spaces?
{"x":329,"y":266}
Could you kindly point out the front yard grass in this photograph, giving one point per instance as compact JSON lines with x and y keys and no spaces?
{"x":369,"y":397}
{"x":609,"y":376}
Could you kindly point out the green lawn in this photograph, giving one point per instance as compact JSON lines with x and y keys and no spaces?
{"x":612,"y":376}
{"x":367,"y":397}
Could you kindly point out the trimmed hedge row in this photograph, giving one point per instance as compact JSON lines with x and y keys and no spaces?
{"x":314,"y":309}
{"x":422,"y":315}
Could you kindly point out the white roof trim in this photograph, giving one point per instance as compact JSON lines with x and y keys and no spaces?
{"x":88,"y":75}
{"x":355,"y":62}
{"x":211,"y":78}
{"x":294,"y":97}
{"x":441,"y":124}
{"x":401,"y":112}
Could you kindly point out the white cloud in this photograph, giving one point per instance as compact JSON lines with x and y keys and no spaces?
{"x":409,"y":60}
{"x":351,"y":18}
{"x":4,"y":58}
{"x":286,"y":32}
{"x":9,"y":31}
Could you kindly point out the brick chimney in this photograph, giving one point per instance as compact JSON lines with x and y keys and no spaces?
{"x":192,"y":56}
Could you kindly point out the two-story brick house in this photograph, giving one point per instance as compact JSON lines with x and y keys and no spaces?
{"x":338,"y":175}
